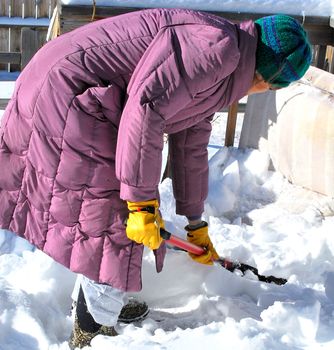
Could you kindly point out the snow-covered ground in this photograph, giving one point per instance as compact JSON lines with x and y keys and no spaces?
{"x":255,"y":216}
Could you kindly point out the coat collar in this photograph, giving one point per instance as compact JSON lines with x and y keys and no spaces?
{"x":241,"y":79}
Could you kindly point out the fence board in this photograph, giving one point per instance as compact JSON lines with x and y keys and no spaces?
{"x":23,"y":14}
{"x":29,"y":8}
{"x":29,"y":45}
{"x":2,"y":8}
{"x":3,"y":39}
{"x":320,"y":57}
{"x":330,"y":59}
{"x":3,"y":103}
{"x":16,"y":8}
{"x":15,"y":37}
{"x":11,"y":57}
{"x":46,"y":7}
{"x":6,"y":4}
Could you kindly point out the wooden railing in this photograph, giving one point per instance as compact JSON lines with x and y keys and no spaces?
{"x":30,"y":42}
{"x":23,"y":28}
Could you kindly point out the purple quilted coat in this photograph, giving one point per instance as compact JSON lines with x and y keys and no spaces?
{"x":84,"y":130}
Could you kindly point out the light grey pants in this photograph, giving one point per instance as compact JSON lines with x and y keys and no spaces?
{"x":104,"y":302}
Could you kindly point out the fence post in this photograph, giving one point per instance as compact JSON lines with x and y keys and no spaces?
{"x":320,"y":56}
{"x":231,"y":124}
{"x":29,"y":45}
{"x":331,"y":59}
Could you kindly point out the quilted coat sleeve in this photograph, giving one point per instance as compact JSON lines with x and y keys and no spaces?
{"x":181,"y":62}
{"x":189,"y":162}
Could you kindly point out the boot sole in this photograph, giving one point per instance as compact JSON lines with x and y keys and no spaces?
{"x":134,"y":319}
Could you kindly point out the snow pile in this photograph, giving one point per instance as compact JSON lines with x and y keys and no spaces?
{"x":193,"y":304}
{"x":33,"y":301}
{"x":6,"y":89}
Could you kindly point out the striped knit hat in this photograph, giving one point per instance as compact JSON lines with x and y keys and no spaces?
{"x":283,"y":51}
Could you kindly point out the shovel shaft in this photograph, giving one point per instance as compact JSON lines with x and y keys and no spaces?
{"x":227,"y":264}
{"x":181,"y":243}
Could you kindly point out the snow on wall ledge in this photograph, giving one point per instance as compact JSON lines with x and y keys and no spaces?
{"x":297,"y":7}
{"x":295,"y":127}
{"x":301,"y":142}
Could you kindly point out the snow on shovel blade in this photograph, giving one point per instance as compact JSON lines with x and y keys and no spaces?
{"x":227,"y":264}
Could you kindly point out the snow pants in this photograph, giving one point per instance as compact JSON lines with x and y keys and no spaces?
{"x":104,"y":302}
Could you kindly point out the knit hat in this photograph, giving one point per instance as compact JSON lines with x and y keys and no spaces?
{"x":283,"y":51}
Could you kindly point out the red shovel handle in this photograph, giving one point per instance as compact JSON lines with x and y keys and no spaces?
{"x":227,"y":264}
{"x":181,"y":243}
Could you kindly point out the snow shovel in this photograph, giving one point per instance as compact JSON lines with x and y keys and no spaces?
{"x":227,"y":264}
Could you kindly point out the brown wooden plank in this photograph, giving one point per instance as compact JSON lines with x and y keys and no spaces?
{"x":29,"y":8}
{"x":320,"y":56}
{"x":3,"y":39}
{"x":320,"y":34}
{"x":241,"y":108}
{"x":3,"y":44}
{"x":10,"y":57}
{"x":330,"y":57}
{"x":15,"y":46}
{"x":42,"y":7}
{"x":5,"y":7}
{"x":3,"y":103}
{"x":231,"y":124}
{"x":45,"y":8}
{"x":87,"y":11}
{"x":2,"y":8}
{"x":16,"y":8}
{"x":29,"y":45}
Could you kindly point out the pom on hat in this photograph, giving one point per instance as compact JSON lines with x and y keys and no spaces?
{"x":283,"y":52}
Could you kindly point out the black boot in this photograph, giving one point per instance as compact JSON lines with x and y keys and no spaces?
{"x":85,"y":328}
{"x":133,"y":311}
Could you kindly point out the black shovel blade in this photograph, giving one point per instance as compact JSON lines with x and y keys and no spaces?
{"x":232,"y":266}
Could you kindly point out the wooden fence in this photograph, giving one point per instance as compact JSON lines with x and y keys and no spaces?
{"x":23,"y":28}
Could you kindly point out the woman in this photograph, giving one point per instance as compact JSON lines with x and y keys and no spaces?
{"x":82,"y":137}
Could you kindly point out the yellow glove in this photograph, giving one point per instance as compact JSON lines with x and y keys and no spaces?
{"x":198,"y":234}
{"x":144,"y":223}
